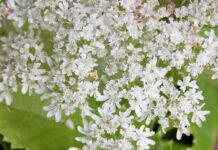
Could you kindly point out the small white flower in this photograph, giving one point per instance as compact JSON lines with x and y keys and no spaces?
{"x":199,"y":115}
{"x":176,"y":36}
{"x":187,"y":83}
{"x":143,"y":142}
{"x":194,"y":69}
{"x":194,"y":96}
{"x":182,"y":130}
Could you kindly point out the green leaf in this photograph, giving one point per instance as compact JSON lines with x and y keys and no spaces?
{"x":205,"y":136}
{"x":24,"y":124}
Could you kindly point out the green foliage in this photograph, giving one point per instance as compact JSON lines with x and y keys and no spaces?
{"x":204,"y":137}
{"x":24,"y":124}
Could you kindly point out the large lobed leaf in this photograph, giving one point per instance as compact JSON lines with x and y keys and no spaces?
{"x":24,"y":124}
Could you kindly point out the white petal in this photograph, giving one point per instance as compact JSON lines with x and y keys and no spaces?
{"x":58,"y":116}
{"x":2,"y":87}
{"x":8,"y":98}
{"x":69,"y":123}
{"x":178,"y":134}
{"x":138,"y":111}
{"x":24,"y":88}
{"x":50,"y":114}
{"x":73,"y":148}
{"x":11,"y":3}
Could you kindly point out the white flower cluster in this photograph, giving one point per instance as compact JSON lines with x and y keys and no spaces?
{"x":135,"y":59}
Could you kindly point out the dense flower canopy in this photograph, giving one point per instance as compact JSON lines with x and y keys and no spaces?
{"x":121,"y":55}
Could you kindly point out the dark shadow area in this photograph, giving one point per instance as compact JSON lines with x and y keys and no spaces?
{"x":171,"y":135}
{"x":5,"y":145}
{"x":156,"y":127}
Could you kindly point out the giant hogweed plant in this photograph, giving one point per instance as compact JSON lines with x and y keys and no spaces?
{"x":108,"y":70}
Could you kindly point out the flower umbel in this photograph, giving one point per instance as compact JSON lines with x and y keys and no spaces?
{"x":113,"y":60}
